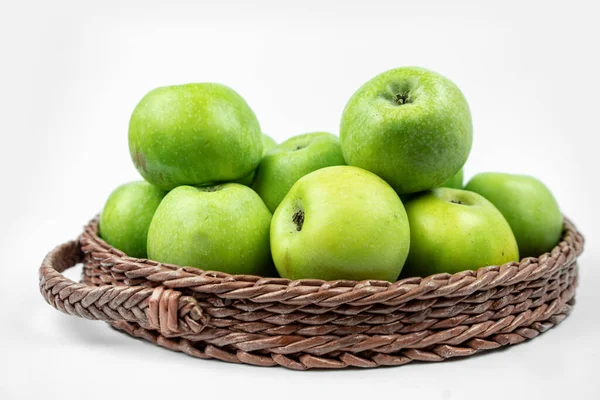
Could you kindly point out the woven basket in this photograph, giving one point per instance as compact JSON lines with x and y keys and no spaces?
{"x":311,"y":323}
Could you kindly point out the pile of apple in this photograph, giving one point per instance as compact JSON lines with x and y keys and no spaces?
{"x":384,"y":198}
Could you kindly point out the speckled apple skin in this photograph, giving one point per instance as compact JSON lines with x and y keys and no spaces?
{"x":194,"y":134}
{"x":529,"y":207}
{"x":354,"y":227}
{"x":452,"y":230}
{"x":221,"y":228}
{"x":410,"y":126}
{"x":281,"y":167}
{"x":127,"y":214}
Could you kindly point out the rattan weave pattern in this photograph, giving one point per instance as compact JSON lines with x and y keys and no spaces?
{"x":311,"y":323}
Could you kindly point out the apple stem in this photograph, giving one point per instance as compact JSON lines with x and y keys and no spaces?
{"x":402,"y":98}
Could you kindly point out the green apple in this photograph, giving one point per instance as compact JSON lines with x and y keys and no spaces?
{"x":194,"y":134}
{"x":222,"y":228}
{"x":281,"y":167}
{"x":268,"y":143}
{"x":456,"y":182}
{"x":452,"y":230}
{"x":410,"y":126}
{"x":529,"y":207}
{"x":340,"y":223}
{"x":126,"y":216}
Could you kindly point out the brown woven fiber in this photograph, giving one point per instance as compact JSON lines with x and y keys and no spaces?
{"x":311,"y":323}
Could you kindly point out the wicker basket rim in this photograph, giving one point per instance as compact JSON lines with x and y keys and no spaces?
{"x":271,"y":289}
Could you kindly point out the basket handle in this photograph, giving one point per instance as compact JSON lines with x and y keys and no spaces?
{"x":165,"y":310}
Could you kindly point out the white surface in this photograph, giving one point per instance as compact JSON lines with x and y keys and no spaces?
{"x":71,"y":73}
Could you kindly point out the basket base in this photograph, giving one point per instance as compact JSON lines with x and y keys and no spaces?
{"x":370,"y":359}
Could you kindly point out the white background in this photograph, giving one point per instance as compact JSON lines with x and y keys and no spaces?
{"x":71,"y":73}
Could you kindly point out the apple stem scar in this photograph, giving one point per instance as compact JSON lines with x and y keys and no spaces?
{"x":298,"y":219}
